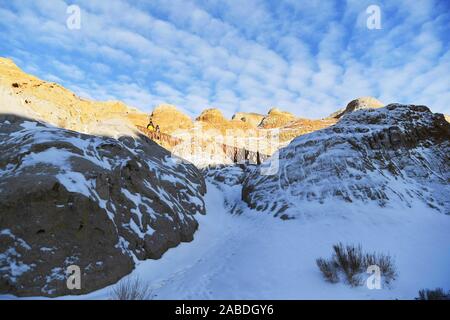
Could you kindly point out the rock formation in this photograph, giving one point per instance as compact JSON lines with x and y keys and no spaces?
{"x":358,"y":104}
{"x":28,"y":96}
{"x":212,"y":115}
{"x":31,"y":97}
{"x":80,"y":185}
{"x":258,"y":134}
{"x":96,"y":202}
{"x":170,"y":119}
{"x":254,"y":119}
{"x":276,"y":118}
{"x":389,"y":156}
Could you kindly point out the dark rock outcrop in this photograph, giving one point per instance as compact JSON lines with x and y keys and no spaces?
{"x":96,"y":202}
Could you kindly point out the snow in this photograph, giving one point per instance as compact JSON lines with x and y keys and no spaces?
{"x":58,"y":157}
{"x":29,"y":125}
{"x":138,"y":200}
{"x":53,"y":156}
{"x":257,"y":256}
{"x":90,"y":150}
{"x":17,"y":268}
{"x":10,"y":262}
{"x":6,"y":232}
{"x":20,"y":241}
{"x":75,"y":182}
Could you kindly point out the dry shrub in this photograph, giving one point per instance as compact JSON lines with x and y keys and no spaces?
{"x":350,"y":261}
{"x":436,"y":294}
{"x":328,"y":270}
{"x":131,"y":288}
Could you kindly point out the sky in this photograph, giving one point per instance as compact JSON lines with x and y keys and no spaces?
{"x":307,"y":57}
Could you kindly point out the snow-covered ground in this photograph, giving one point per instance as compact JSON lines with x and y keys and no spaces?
{"x":257,"y":256}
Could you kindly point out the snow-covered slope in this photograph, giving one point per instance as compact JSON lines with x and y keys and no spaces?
{"x":393,"y":157}
{"x":251,"y":256}
{"x":96,"y":202}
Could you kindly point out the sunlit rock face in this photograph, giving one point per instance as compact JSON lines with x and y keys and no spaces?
{"x":254,"y":119}
{"x":26,"y":95}
{"x":170,"y":119}
{"x":358,"y":104}
{"x":276,"y":118}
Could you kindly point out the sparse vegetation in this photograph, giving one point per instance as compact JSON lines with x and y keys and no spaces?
{"x":328,"y":269}
{"x":350,"y":262}
{"x":385,"y":262}
{"x":436,"y":294}
{"x":131,"y":288}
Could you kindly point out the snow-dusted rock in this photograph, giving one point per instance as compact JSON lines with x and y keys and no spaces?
{"x":395,"y":155}
{"x":229,"y":179}
{"x":226,"y":176}
{"x":358,"y":104}
{"x":102,"y":204}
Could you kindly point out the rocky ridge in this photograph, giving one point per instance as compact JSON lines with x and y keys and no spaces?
{"x":255,"y":133}
{"x":358,"y":104}
{"x":28,"y":96}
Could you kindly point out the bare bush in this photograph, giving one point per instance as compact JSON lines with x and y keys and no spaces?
{"x":350,"y":261}
{"x":131,"y":288}
{"x":384,"y":262}
{"x":328,"y":269}
{"x":436,"y":294}
{"x":387,"y":266}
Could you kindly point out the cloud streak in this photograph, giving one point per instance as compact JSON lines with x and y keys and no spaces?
{"x":308,"y":57}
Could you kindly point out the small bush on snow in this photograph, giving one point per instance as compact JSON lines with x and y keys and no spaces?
{"x":385,"y":262}
{"x":351,"y":262}
{"x":131,"y":288}
{"x":436,"y":294}
{"x":328,"y":269}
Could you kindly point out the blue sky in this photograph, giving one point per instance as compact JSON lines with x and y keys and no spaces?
{"x":306,"y":57}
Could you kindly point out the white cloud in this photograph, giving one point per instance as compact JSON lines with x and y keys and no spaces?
{"x":308,"y":57}
{"x":69,"y":71}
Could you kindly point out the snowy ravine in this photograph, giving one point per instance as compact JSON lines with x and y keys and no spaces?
{"x":378,"y":178}
{"x":257,"y":256}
